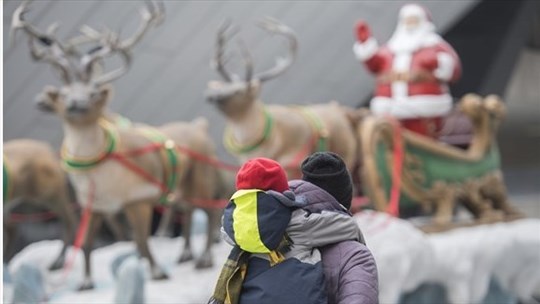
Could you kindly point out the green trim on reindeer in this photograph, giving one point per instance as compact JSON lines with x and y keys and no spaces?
{"x":123,"y":122}
{"x":78,"y":163}
{"x":232,"y":146}
{"x":172,"y":155}
{"x":6,"y":185}
{"x":318,"y":126}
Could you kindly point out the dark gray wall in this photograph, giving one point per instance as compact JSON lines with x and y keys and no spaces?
{"x":171,"y":64}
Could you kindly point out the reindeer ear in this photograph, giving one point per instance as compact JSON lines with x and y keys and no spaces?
{"x":106,"y":92}
{"x":48,"y":98}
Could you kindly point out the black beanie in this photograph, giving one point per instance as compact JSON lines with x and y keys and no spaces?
{"x":328,"y":171}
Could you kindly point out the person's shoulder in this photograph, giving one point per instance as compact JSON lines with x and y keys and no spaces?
{"x":347,"y":248}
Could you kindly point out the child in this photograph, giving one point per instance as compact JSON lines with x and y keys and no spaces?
{"x":274,"y":258}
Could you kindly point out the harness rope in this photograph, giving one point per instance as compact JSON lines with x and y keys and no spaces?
{"x":318,"y":140}
{"x":82,"y":231}
{"x":160,"y":143}
{"x":393,"y":204}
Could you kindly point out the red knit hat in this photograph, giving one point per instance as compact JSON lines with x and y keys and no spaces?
{"x":262,"y":173}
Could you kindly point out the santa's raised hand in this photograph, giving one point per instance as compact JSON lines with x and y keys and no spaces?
{"x":362,"y":31}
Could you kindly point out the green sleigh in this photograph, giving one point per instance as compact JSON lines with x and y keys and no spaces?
{"x":435,"y":175}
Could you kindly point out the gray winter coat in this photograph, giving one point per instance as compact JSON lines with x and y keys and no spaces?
{"x":349,"y":267}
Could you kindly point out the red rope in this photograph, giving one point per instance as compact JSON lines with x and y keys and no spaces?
{"x":33,"y":217}
{"x":210,"y":203}
{"x":82,"y":230}
{"x":122,"y":158}
{"x":393,"y":204}
{"x":212,"y":161}
{"x":294,"y":164}
{"x":146,"y":149}
{"x":138,"y":170}
{"x":380,"y":227}
{"x":358,"y":203}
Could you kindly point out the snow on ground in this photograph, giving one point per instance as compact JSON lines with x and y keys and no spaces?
{"x":187,"y":285}
{"x":462,"y":260}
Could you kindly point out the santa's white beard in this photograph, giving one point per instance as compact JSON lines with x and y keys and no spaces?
{"x":406,"y":40}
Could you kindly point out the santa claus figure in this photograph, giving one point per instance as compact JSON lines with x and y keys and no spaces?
{"x":413,"y":70}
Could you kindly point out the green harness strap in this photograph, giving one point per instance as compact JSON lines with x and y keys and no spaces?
{"x":75,"y":163}
{"x":72,"y":163}
{"x":6,"y":184}
{"x":122,"y":122}
{"x":235,"y":148}
{"x":172,"y":156}
{"x":317,"y":124}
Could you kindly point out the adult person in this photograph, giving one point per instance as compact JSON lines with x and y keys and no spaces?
{"x":349,"y":267}
{"x":413,"y":70}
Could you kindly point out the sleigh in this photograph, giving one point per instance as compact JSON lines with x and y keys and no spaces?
{"x":433,"y":176}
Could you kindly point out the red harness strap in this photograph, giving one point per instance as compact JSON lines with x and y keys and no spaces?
{"x":140,"y":151}
{"x":34,"y":217}
{"x":82,"y":230}
{"x":201,"y":203}
{"x":137,"y":169}
{"x":203,"y":158}
{"x":393,"y":204}
{"x":294,"y":164}
{"x":380,"y":226}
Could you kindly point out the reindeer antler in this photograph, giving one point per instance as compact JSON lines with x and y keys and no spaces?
{"x":109,"y":42}
{"x":246,"y":55}
{"x":53,"y":52}
{"x":153,"y":15}
{"x":218,"y":63}
{"x":282,"y":63}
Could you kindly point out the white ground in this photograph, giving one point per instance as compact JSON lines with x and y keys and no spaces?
{"x":462,"y":260}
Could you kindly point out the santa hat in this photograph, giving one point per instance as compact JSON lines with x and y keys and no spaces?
{"x":413,"y":9}
{"x":262,"y":173}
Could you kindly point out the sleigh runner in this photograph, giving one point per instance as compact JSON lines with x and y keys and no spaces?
{"x":435,"y":175}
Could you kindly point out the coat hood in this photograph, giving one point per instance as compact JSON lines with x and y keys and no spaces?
{"x":314,"y":198}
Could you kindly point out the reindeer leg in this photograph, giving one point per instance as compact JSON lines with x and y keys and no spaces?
{"x":187,"y":216}
{"x":140,"y":216}
{"x":205,"y":261}
{"x":96,"y":220}
{"x":115,"y":227}
{"x":165,"y":222}
{"x":10,"y":231}
{"x":64,"y":210}
{"x":216,"y":215}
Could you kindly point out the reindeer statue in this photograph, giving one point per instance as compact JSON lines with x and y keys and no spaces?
{"x":39,"y":181}
{"x":121,"y":169}
{"x":284,"y":133}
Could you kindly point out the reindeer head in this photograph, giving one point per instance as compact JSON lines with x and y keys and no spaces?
{"x":85,"y":87}
{"x":234,"y":95}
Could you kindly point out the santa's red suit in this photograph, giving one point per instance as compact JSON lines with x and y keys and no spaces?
{"x":413,"y":70}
